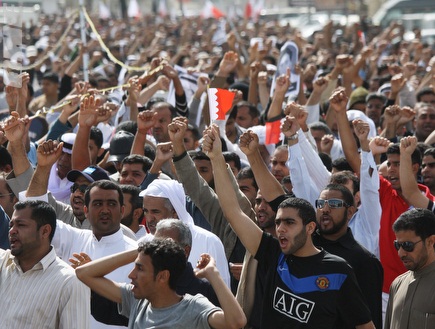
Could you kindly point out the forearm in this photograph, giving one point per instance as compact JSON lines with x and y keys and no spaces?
{"x":275,"y":109}
{"x":138,"y":146}
{"x":389,"y":131}
{"x":92,"y":274}
{"x":268,"y":185}
{"x":80,"y":157}
{"x":253,"y":91}
{"x":20,"y":162}
{"x":263,"y":94}
{"x":39,"y":183}
{"x":233,"y":313}
{"x":350,"y":148}
{"x":409,"y":185}
{"x":146,"y":94}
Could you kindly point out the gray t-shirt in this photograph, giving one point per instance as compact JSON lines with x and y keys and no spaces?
{"x":190,"y":312}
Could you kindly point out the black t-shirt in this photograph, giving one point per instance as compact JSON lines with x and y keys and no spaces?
{"x":320,"y":291}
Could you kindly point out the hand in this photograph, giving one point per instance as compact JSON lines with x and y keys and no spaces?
{"x":205,"y":266}
{"x":69,"y":108}
{"x":407,"y":114}
{"x":236,"y":270}
{"x":338,"y":100}
{"x":248,"y":143}
{"x":320,"y":85}
{"x":361,"y":129}
{"x":163,"y":83}
{"x":203,"y":81}
{"x":409,"y":69}
{"x":48,"y":153}
{"x":79,"y":259}
{"x":341,"y":61}
{"x":211,"y":144}
{"x":289,"y":126}
{"x":366,"y":52}
{"x":262,"y":78}
{"x":238,"y":96}
{"x":164,"y":152}
{"x":176,"y":130}
{"x":326,"y":143}
{"x":408,"y":145}
{"x":104,"y":113}
{"x":254,"y":69}
{"x":14,"y":127}
{"x":81,"y":87}
{"x":379,"y":145}
{"x":228,"y":63}
{"x":392,"y":114}
{"x":170,"y":72}
{"x":88,"y":111}
{"x":297,"y":111}
{"x":134,"y":90}
{"x":282,"y":83}
{"x":397,"y":83}
{"x":145,"y":121}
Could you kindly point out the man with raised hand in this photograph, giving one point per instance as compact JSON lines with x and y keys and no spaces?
{"x":305,"y":287}
{"x":151,"y":300}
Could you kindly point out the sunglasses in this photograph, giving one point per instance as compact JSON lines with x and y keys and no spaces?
{"x":408,"y":246}
{"x":332,"y":203}
{"x":75,"y":186}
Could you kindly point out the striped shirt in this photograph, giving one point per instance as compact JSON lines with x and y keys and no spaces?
{"x":47,"y":296}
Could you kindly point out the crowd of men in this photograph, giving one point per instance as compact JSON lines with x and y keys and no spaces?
{"x":123,"y":203}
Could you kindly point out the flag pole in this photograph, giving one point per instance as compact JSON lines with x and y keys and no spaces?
{"x":83,"y":37}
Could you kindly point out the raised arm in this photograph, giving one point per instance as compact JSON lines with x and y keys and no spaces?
{"x":408,"y":183}
{"x":247,"y":231}
{"x":145,"y":121}
{"x":232,"y":315}
{"x":338,"y":103}
{"x":15,"y":131}
{"x":92,"y":274}
{"x":48,"y":152}
{"x":281,"y":87}
{"x":269,"y":186}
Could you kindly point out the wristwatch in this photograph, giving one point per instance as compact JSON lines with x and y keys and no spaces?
{"x":292,"y":137}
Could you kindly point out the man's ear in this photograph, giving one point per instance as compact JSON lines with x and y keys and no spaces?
{"x":415,"y":168}
{"x":45,"y":230}
{"x":311,"y":227}
{"x":350,"y":212}
{"x":163,"y":276}
{"x":100,"y":152}
{"x":85,"y":209}
{"x":137,"y":214}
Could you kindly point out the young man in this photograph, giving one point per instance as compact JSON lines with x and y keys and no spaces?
{"x":151,"y":299}
{"x":305,"y":287}
{"x":412,"y":294}
{"x":38,"y":289}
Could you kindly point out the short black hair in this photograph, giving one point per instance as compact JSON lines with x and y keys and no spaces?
{"x":421,"y":221}
{"x":305,"y":210}
{"x":134,"y":191}
{"x":233,"y":156}
{"x":430,"y":152}
{"x":424,"y":91}
{"x":343,"y":177}
{"x":130,"y":126}
{"x":42,"y":213}
{"x":395,"y":149}
{"x":5,"y":157}
{"x":97,"y":136}
{"x":166,"y":255}
{"x":247,"y":173}
{"x":198,"y":155}
{"x":137,"y":158}
{"x":341,"y":164}
{"x":104,"y":185}
{"x":345,"y":193}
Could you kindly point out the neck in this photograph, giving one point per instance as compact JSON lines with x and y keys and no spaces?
{"x":271,"y":230}
{"x":165,"y":299}
{"x":27,"y":262}
{"x":307,"y":250}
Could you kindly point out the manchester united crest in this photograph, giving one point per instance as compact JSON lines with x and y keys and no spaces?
{"x":322,"y":282}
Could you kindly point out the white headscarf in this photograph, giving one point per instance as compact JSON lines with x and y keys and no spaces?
{"x":172,"y":190}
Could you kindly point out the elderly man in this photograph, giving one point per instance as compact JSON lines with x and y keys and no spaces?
{"x":166,"y":199}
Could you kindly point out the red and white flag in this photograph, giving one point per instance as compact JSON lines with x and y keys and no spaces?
{"x":163,"y":10}
{"x":210,"y":10}
{"x":219,"y":101}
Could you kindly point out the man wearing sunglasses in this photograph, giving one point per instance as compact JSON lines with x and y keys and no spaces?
{"x":334,"y":209}
{"x":412,"y":294}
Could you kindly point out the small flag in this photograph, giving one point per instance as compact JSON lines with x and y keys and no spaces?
{"x":220,"y":101}
{"x":273,"y":132}
{"x":133,"y":9}
{"x":210,"y":10}
{"x":103,"y":12}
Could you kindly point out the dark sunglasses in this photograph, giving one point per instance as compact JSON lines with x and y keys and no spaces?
{"x":332,"y":203}
{"x":408,"y":246}
{"x":75,"y":186}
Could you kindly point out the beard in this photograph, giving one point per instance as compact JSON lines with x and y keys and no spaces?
{"x":336,"y":227}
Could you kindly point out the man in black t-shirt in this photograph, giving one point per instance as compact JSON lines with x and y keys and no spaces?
{"x":305,"y":287}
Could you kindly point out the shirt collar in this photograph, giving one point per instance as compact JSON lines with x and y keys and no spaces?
{"x":43,"y":264}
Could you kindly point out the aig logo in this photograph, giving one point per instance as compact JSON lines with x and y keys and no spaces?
{"x":292,"y":306}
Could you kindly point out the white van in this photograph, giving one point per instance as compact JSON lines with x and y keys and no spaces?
{"x":393,"y":10}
